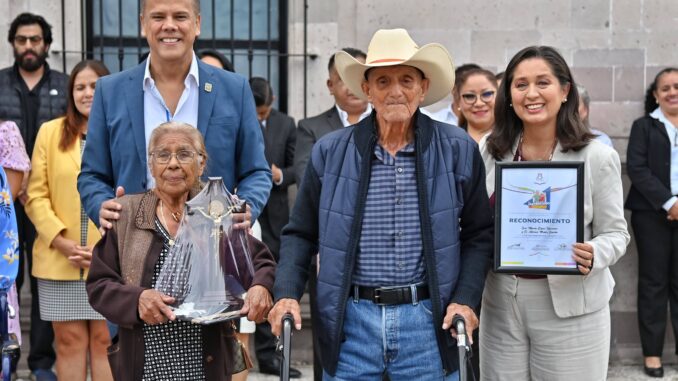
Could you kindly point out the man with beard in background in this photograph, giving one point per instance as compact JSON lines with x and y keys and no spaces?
{"x":31,"y":94}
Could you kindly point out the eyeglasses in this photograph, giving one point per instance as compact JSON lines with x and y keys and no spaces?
{"x":183,"y":156}
{"x":471,"y":98}
{"x":21,"y":40}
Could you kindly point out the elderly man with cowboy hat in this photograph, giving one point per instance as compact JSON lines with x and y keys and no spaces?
{"x":397,"y":209}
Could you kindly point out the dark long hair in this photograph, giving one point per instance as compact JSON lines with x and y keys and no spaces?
{"x":571,"y":132}
{"x":650,"y":101}
{"x":74,"y":119}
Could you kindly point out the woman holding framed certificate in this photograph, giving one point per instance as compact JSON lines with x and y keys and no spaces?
{"x":535,"y":324}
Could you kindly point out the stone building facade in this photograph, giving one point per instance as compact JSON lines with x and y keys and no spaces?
{"x":615,"y":48}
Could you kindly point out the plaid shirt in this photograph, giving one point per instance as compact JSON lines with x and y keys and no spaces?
{"x":390,"y":252}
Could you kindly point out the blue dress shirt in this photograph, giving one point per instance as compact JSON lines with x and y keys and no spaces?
{"x":156,"y":111}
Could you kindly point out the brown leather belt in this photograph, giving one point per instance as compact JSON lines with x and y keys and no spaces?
{"x":391,"y":295}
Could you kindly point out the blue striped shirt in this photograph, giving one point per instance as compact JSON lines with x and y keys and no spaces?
{"x":390,"y":252}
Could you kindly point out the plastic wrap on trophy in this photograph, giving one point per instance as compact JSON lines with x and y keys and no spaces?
{"x":208,"y":268}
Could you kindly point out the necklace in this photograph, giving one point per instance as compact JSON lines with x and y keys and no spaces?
{"x":164,"y":222}
{"x":176,"y":216}
{"x":520,"y":148}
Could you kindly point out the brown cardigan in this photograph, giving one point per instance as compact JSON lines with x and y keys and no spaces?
{"x":122,"y":267}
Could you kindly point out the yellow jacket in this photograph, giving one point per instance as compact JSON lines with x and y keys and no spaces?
{"x":54,"y":203}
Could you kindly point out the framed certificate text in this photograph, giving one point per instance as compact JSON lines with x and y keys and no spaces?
{"x":539,"y":211}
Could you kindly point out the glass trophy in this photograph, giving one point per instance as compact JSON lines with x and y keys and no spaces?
{"x":208,"y":268}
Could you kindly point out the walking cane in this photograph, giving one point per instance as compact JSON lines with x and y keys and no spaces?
{"x":459,"y":324}
{"x":286,"y":347}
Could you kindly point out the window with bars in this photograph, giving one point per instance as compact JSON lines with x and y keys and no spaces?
{"x":251,"y":33}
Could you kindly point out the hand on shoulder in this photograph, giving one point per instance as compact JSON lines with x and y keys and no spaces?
{"x":110,"y":211}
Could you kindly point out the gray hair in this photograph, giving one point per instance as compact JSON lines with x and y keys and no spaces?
{"x":181,"y":128}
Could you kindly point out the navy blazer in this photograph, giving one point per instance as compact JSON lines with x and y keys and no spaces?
{"x":115,"y":153}
{"x":310,"y":130}
{"x":648,"y":164}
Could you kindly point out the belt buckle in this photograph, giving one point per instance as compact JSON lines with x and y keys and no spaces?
{"x":376,"y":298}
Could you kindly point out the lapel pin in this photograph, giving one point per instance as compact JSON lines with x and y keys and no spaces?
{"x":208,"y":87}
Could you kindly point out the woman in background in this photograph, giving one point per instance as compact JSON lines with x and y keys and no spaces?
{"x":652,"y":165}
{"x":63,"y":248}
{"x":476,"y":90}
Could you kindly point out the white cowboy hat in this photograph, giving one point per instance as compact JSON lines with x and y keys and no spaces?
{"x":390,"y":47}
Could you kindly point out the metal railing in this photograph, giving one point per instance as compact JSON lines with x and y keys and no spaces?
{"x":258,"y":51}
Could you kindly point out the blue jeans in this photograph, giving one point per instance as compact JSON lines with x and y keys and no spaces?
{"x":399,"y":340}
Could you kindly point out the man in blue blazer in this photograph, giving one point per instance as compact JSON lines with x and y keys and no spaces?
{"x":171,"y":85}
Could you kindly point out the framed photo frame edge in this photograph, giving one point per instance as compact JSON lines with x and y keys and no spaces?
{"x":499,"y":167}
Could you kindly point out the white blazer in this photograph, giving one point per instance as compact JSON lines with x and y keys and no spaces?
{"x":604,"y":227}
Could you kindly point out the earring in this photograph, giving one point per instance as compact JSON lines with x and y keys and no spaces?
{"x":511,"y":105}
{"x":656,"y":100}
{"x":564,"y":100}
{"x":458,"y":108}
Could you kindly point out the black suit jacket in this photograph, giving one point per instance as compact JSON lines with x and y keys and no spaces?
{"x":310,"y":130}
{"x":280,"y":140}
{"x":648,"y":163}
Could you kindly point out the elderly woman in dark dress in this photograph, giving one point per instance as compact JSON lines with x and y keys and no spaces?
{"x":152,"y":344}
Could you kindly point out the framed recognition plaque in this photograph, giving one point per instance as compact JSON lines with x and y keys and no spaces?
{"x":539,"y":212}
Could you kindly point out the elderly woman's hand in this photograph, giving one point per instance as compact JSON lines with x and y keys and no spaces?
{"x":257,"y":303}
{"x":582,"y":253}
{"x":153,"y":307}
